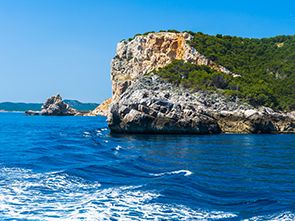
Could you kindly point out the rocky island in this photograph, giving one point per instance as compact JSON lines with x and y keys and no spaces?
{"x":55,"y":106}
{"x":171,"y":82}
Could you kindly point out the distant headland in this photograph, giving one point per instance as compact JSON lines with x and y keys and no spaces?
{"x":56,"y":106}
{"x":22,"y":107}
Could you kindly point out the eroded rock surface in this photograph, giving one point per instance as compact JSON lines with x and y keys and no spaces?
{"x":151,"y":105}
{"x":102,"y":109}
{"x":146,"y":53}
{"x":144,"y":103}
{"x":54,"y":106}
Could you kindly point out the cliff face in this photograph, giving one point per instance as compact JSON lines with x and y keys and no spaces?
{"x":146,"y":53}
{"x":147,"y":104}
{"x":151,"y":105}
{"x":101,"y":110}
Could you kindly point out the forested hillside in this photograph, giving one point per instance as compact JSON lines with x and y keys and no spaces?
{"x":10,"y":106}
{"x":266,"y":66}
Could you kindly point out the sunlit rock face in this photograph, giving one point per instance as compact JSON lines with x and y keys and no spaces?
{"x":146,"y":53}
{"x":55,"y":106}
{"x":144,"y":103}
{"x":101,"y":110}
{"x":151,"y":105}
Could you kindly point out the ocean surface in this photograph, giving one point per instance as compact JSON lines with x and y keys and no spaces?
{"x":71,"y":168}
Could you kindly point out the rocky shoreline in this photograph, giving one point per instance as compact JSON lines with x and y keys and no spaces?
{"x":144,"y":103}
{"x":151,"y":105}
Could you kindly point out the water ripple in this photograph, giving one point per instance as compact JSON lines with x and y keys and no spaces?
{"x":184,"y":172}
{"x":72,"y":168}
{"x":57,"y":196}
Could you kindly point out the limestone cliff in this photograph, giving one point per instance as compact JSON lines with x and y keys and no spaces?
{"x":147,"y":104}
{"x":151,"y":105}
{"x":102,"y":109}
{"x":146,"y":53}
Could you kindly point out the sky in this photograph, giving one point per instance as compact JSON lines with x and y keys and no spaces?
{"x":66,"y":46}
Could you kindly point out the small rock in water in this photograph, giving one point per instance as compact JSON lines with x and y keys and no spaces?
{"x":54,"y":106}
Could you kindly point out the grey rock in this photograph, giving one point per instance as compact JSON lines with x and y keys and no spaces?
{"x":144,"y":109}
{"x":144,"y":103}
{"x":32,"y":113}
{"x":54,"y":106}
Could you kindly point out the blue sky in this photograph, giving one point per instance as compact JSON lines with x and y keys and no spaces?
{"x":66,"y":46}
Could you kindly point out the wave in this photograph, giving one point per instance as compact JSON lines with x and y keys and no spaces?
{"x":118,"y":147}
{"x":184,"y":172}
{"x":284,"y":216}
{"x":86,"y":134}
{"x":25,"y":194}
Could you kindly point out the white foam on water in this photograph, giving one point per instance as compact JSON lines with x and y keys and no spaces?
{"x":118,"y":147}
{"x":98,"y":133}
{"x":184,"y":172}
{"x":284,"y":216}
{"x":86,"y":134}
{"x":57,"y":196}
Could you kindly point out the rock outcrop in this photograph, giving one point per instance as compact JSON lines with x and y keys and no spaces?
{"x":146,"y":53}
{"x":151,"y":105}
{"x":54,"y":106}
{"x":102,"y":109}
{"x":146,"y":104}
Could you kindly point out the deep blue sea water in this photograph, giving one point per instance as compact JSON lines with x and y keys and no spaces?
{"x":71,"y":168}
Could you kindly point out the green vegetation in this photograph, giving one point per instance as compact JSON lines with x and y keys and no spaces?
{"x":146,"y":33}
{"x":266,"y":66}
{"x":197,"y":77}
{"x":10,"y":106}
{"x":81,"y":106}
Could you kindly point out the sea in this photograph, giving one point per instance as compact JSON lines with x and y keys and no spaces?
{"x":73,"y":168}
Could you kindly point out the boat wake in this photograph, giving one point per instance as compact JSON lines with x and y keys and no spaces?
{"x":25,"y":194}
{"x":285,"y":216}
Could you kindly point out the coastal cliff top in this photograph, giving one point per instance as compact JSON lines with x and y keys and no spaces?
{"x":260,"y":71}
